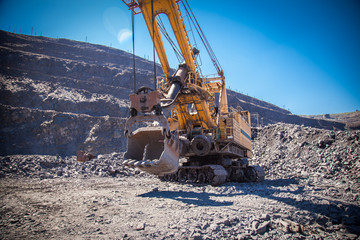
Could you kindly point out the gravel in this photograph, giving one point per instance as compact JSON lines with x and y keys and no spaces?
{"x":311,"y":191}
{"x":48,"y":167}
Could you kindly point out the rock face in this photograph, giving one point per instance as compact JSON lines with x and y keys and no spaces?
{"x":352,"y":119}
{"x":57,"y":96}
{"x":58,"y":133}
{"x":265,"y":113}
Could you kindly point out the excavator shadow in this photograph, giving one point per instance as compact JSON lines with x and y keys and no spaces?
{"x":208,"y":199}
{"x":288,"y":191}
{"x":189,"y":197}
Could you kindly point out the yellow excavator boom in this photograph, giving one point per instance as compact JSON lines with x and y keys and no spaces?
{"x":150,"y":10}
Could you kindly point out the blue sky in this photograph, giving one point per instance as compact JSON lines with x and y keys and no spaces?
{"x":303,"y":55}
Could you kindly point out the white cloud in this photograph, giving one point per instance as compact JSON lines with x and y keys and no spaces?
{"x":124,"y":35}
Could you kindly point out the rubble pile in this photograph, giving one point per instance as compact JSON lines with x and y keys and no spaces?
{"x":49,"y":167}
{"x":315,"y":156}
{"x":285,"y":151}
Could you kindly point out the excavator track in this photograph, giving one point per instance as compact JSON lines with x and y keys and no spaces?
{"x":207,"y":174}
{"x":255,"y":174}
{"x":215,"y":174}
{"x":246,"y":174}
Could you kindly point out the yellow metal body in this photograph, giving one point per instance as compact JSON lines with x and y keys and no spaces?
{"x":202,"y":90}
{"x":150,"y":9}
{"x":195,"y":111}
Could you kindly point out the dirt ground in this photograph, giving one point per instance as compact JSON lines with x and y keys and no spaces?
{"x":143,"y":207}
{"x":311,"y":191}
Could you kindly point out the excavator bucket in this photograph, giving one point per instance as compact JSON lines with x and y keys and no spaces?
{"x":153,"y":150}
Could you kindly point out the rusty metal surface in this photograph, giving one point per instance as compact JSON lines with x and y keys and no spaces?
{"x":144,"y":101}
{"x":153,"y":150}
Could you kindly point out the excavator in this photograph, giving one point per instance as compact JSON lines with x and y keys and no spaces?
{"x":183,"y":129}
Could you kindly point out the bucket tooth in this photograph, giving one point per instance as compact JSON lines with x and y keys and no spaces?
{"x":146,"y":164}
{"x":138,"y":164}
{"x":129,"y":163}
